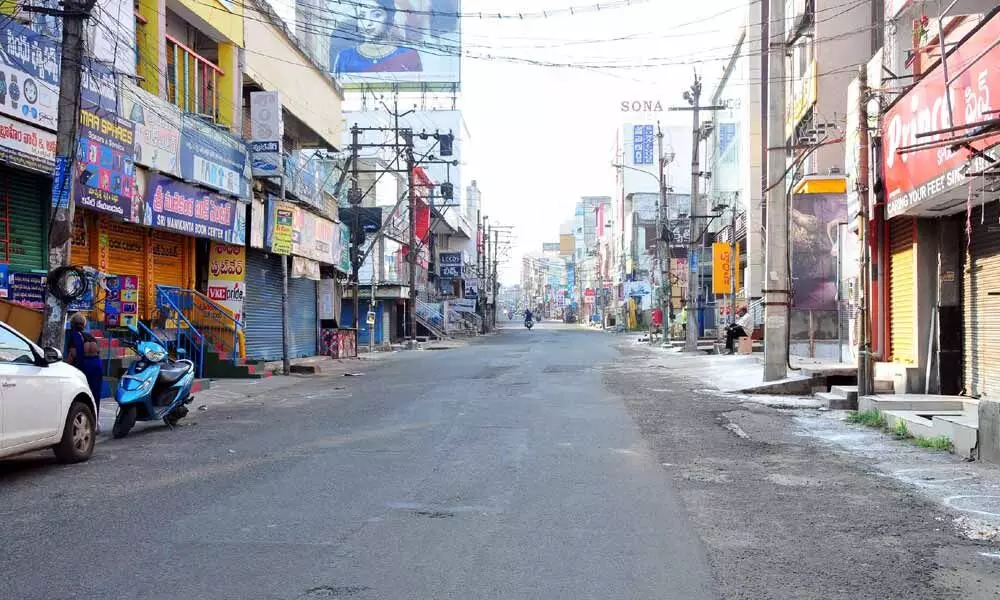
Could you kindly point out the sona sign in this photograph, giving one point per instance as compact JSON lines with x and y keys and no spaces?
{"x":397,"y":43}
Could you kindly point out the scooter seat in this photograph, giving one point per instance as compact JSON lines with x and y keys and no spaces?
{"x":173,"y":373}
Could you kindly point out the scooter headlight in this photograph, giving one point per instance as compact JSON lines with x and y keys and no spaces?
{"x":154,"y":356}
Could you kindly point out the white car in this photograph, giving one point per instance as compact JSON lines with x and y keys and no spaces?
{"x":44,"y":402}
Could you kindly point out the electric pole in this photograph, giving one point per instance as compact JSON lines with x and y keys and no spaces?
{"x":693,"y":97}
{"x":74,"y":13}
{"x":412,"y":252}
{"x":496,"y":281}
{"x":286,"y":364}
{"x":865,"y":380}
{"x":357,"y":236}
{"x":777,"y":293}
{"x":662,"y":254}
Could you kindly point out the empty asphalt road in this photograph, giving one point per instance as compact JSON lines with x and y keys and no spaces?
{"x":557,"y":463}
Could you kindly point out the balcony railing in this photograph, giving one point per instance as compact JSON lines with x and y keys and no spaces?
{"x":192,"y":80}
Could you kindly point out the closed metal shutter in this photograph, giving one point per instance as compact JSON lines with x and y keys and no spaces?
{"x":169,"y":258}
{"x":902,"y":290}
{"x":302,"y":321}
{"x":981,"y":306}
{"x":126,"y":253}
{"x":23,"y":198}
{"x":262,"y":307}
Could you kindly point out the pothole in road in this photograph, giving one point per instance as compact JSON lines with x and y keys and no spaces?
{"x":434,"y":514}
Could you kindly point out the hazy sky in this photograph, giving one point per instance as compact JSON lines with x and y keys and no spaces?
{"x":542,"y":136}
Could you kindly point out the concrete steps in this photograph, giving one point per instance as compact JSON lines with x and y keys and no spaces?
{"x":918,"y":424}
{"x":962,"y":430}
{"x":954,"y":417}
{"x":914,"y":402}
{"x":840,"y":397}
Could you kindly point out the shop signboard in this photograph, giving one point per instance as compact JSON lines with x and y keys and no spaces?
{"x":450,"y":264}
{"x":312,"y":236}
{"x":105,"y":172}
{"x":27,"y":147}
{"x":913,"y":178}
{"x":722,"y":268}
{"x":227,"y":277}
{"x":157,"y":129}
{"x":642,"y":144}
{"x":4,"y":281}
{"x":29,"y":75}
{"x":804,"y":95}
{"x":212,"y":157}
{"x":467,"y":305}
{"x":282,"y":227}
{"x":266,"y":130}
{"x":472,"y":288}
{"x":637,"y":288}
{"x":177,"y":206}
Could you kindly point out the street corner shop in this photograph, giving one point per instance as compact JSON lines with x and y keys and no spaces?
{"x":935,"y":239}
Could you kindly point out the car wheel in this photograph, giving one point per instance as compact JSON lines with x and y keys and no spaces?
{"x":78,"y":437}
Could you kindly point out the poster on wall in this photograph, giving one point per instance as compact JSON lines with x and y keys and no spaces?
{"x":121,"y":305}
{"x":345,"y":249}
{"x":27,"y":289}
{"x":177,"y":206}
{"x":212,"y":157}
{"x":401,"y":43}
{"x":227,"y":277}
{"x":105,"y":172}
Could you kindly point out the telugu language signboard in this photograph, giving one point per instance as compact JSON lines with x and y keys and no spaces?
{"x":105,"y":172}
{"x":177,"y":206}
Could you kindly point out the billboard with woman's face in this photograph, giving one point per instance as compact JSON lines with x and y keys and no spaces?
{"x":396,"y":43}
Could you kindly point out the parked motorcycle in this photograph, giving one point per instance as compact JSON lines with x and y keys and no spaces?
{"x":154,"y":387}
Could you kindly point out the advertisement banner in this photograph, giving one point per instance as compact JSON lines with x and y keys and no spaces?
{"x":157,"y":129}
{"x":29,"y":75}
{"x":178,"y":206}
{"x":282,"y":227}
{"x":266,"y":131}
{"x":637,"y":288}
{"x":105,"y":172}
{"x":305,"y":268}
{"x":121,"y":305}
{"x":815,"y":220}
{"x":913,"y":178}
{"x":27,"y":147}
{"x":211,"y":157}
{"x":804,"y":95}
{"x":344,"y":264}
{"x":399,"y":44}
{"x":463,"y":306}
{"x":472,"y":288}
{"x":312,"y":237}
{"x":722,"y":268}
{"x":226,"y":277}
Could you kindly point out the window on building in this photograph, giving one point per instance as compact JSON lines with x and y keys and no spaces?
{"x":192,"y":70}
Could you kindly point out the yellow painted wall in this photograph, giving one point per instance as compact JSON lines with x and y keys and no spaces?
{"x":277,"y":65}
{"x":225,"y":17}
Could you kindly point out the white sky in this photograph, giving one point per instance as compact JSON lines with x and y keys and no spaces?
{"x":542,"y":137}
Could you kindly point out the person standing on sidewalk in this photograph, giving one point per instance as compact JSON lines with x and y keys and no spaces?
{"x":85,"y":354}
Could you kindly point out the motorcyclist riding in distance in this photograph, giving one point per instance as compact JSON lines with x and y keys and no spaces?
{"x":528,"y":316}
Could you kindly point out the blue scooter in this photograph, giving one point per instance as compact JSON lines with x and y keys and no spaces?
{"x":153,"y":388}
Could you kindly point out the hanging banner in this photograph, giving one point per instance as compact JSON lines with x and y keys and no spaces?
{"x":722,"y":268}
{"x":187,"y":209}
{"x":345,"y":249}
{"x":105,"y":171}
{"x":227,"y":277}
{"x":266,"y":130}
{"x":305,"y":268}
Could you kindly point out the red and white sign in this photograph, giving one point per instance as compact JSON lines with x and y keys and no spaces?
{"x":27,"y":146}
{"x":911,"y":178}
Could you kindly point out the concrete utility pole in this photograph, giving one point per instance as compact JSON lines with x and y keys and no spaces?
{"x":412,"y":252}
{"x":865,"y":380}
{"x":356,"y":236}
{"x":496,"y":280}
{"x":286,"y":363}
{"x":693,"y":97}
{"x":74,"y":13}
{"x":777,"y":292}
{"x":662,"y":254}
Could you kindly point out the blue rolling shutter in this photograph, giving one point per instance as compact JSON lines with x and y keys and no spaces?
{"x":302,"y":321}
{"x":262,"y":308}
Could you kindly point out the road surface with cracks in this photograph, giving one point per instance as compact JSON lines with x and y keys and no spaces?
{"x":557,"y":463}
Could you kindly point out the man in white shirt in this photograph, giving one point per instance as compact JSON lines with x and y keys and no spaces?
{"x":743,"y":325}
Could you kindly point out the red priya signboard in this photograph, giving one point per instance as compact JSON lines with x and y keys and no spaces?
{"x":912,"y":178}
